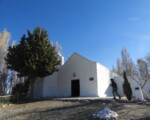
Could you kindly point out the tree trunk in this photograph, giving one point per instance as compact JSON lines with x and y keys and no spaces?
{"x":31,"y":88}
{"x":142,"y":87}
{"x":144,"y":92}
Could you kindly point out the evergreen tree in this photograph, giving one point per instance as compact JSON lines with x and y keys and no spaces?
{"x":34,"y":56}
{"x":126,"y":87}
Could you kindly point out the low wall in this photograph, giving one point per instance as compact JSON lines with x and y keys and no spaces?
{"x":14,"y":98}
{"x":6,"y":98}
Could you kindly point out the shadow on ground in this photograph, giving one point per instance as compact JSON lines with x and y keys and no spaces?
{"x":145,"y":118}
{"x":75,"y":109}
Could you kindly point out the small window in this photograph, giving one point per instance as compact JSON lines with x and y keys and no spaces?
{"x":91,"y":79}
{"x":136,"y":88}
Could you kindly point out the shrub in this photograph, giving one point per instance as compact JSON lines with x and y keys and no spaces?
{"x":20,"y":88}
{"x":20,"y":92}
{"x":126,"y":87}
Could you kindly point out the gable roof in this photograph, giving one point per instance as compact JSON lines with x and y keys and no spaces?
{"x":76,"y":54}
{"x":84,"y":59}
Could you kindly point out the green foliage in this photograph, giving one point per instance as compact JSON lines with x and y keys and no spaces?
{"x":2,"y":103}
{"x":126,"y":87}
{"x":34,"y":56}
{"x":21,"y":88}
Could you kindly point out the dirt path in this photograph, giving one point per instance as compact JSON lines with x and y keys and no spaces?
{"x":77,"y":110}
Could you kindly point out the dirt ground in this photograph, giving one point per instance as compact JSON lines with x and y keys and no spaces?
{"x":73,"y":110}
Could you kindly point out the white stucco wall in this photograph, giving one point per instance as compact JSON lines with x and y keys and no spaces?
{"x":83,"y":70}
{"x":147,"y":87}
{"x":133,"y":84}
{"x":119,"y":80}
{"x":78,"y":67}
{"x":103,"y":77}
{"x":50,"y":88}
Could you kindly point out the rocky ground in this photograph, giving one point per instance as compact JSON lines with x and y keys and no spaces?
{"x":58,"y":109}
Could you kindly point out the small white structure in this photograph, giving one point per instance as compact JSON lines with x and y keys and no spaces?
{"x":136,"y":88}
{"x":78,"y":77}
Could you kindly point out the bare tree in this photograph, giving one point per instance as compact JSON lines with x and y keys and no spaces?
{"x":4,"y":39}
{"x":125,"y":64}
{"x":58,"y":47}
{"x":148,"y":61}
{"x":12,"y":81}
{"x":141,"y":74}
{"x":119,"y":69}
{"x":114,"y":69}
{"x":3,"y":81}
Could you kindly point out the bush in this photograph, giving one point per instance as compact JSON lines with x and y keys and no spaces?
{"x":21,"y":88}
{"x":20,"y":92}
{"x":126,"y":87}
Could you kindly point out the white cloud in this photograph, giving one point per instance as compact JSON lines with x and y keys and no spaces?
{"x":143,"y":37}
{"x":133,"y":19}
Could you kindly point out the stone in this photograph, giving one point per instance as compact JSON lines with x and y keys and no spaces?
{"x":103,"y":103}
{"x":3,"y":106}
{"x":106,"y":114}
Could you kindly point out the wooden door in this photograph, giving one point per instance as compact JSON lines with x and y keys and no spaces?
{"x":75,"y":88}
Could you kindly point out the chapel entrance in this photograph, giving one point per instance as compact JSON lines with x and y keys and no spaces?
{"x":75,"y":88}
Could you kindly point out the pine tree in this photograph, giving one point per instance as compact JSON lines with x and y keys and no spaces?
{"x":34,"y":56}
{"x":126,"y":87}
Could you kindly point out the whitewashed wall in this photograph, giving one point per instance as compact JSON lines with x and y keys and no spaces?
{"x":133,"y":84}
{"x":119,"y":80}
{"x":103,"y":77}
{"x":50,"y":87}
{"x":78,"y":67}
{"x":147,"y":87}
{"x":83,"y":69}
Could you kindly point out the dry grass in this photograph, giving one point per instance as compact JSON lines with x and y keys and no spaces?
{"x":73,"y":110}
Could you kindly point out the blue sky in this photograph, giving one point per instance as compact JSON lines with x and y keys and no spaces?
{"x":96,"y":29}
